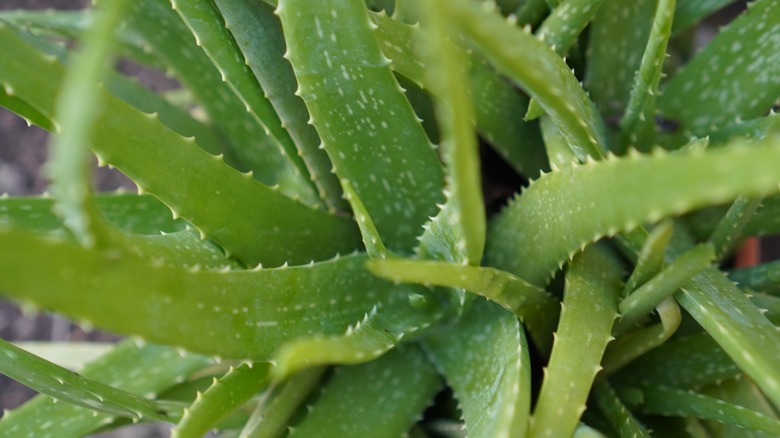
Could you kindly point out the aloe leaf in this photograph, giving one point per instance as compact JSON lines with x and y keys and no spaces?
{"x":455,"y":111}
{"x":273,"y":413}
{"x":258,"y":33}
{"x":683,"y":362}
{"x":367,"y":127}
{"x":728,"y":233}
{"x":57,"y":382}
{"x":677,"y":402}
{"x":738,"y":326}
{"x":536,"y":308}
{"x":69,"y":355}
{"x":728,"y":71}
{"x":612,"y":66}
{"x":633,"y":345}
{"x":24,"y":110}
{"x":128,"y":367}
{"x":402,"y":382}
{"x":140,"y":214}
{"x":532,"y":12}
{"x":764,"y":221}
{"x":380,"y":330}
{"x":77,"y":110}
{"x":536,"y":68}
{"x":248,"y":147}
{"x":690,"y":12}
{"x":762,"y":278}
{"x":495,"y":100}
{"x":640,"y":302}
{"x":265,"y":213}
{"x":558,"y":150}
{"x":638,"y":122}
{"x":758,"y":127}
{"x":221,"y":313}
{"x":619,"y":416}
{"x":588,"y":311}
{"x":650,"y":260}
{"x":562,"y":27}
{"x":740,"y":392}
{"x":484,"y":358}
{"x":375,"y":248}
{"x":530,"y":243}
{"x":223,"y":396}
{"x":207,"y":25}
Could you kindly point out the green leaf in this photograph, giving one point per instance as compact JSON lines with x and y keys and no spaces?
{"x":207,"y":25}
{"x":562,"y":27}
{"x":536,"y":308}
{"x":284,"y":399}
{"x":55,"y":381}
{"x":497,"y":104}
{"x":128,"y":367}
{"x":675,"y":402}
{"x":762,"y":278}
{"x":366,"y":124}
{"x":221,"y":313}
{"x":640,"y":302}
{"x":484,"y":358}
{"x":621,"y":419}
{"x":638,"y":122}
{"x":729,"y":231}
{"x":603,"y":198}
{"x":690,"y":12}
{"x":650,"y":260}
{"x":536,"y":68}
{"x":282,"y":230}
{"x":258,"y":33}
{"x":684,"y":362}
{"x":611,"y":67}
{"x":734,"y":76}
{"x":593,"y":282}
{"x":223,"y":397}
{"x":740,"y":392}
{"x":464,"y":208}
{"x":401,"y":382}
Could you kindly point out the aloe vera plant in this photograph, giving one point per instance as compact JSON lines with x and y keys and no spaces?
{"x":311,"y":254}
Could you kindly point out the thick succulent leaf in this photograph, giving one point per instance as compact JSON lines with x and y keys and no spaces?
{"x":138,"y":214}
{"x":737,"y":75}
{"x":638,"y":122}
{"x":77,"y":110}
{"x":207,"y":25}
{"x":676,"y":402}
{"x":558,"y":150}
{"x":620,"y":417}
{"x":484,"y":358}
{"x":752,"y":128}
{"x":366,"y":124}
{"x":633,"y":345}
{"x":740,"y":392}
{"x":24,"y":110}
{"x":223,"y":397}
{"x":641,"y":302}
{"x":589,"y":308}
{"x":247,"y":146}
{"x":464,"y":209}
{"x":67,"y":354}
{"x":128,"y":367}
{"x":650,"y":260}
{"x":536,"y":308}
{"x":258,"y":33}
{"x":690,"y":12}
{"x":765,"y":221}
{"x":64,"y":385}
{"x":762,"y":278}
{"x":273,"y":413}
{"x":684,"y":362}
{"x":537,"y":69}
{"x":530,"y":242}
{"x":240,"y":314}
{"x":145,"y":152}
{"x":497,"y":105}
{"x":402,"y":383}
{"x":618,"y":37}
{"x":562,"y":27}
{"x":378,"y":332}
{"x":737,"y":325}
{"x":729,"y":231}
